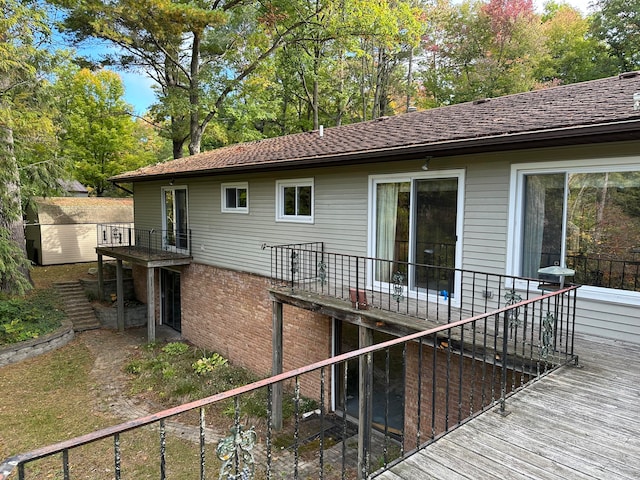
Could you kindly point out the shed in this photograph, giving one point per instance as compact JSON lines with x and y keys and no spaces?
{"x":64,"y":229}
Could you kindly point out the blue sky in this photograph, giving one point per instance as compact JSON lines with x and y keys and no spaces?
{"x":138,"y":91}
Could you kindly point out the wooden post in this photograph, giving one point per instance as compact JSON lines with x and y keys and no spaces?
{"x":276,"y":365}
{"x":151,"y":305}
{"x":365,"y":402}
{"x":120,"y":295}
{"x":100,"y":279}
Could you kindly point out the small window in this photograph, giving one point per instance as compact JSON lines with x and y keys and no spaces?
{"x":295,"y":200}
{"x":235,"y":197}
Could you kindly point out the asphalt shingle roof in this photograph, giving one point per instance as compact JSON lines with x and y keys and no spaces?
{"x":75,"y":210}
{"x":565,"y":110}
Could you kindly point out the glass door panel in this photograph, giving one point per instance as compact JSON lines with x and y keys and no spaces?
{"x":171,"y":304}
{"x":435,"y":219}
{"x":175,"y":219}
{"x":392,"y":229}
{"x":388,"y":398}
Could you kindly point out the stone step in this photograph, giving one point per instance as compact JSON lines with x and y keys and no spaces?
{"x":77,"y":306}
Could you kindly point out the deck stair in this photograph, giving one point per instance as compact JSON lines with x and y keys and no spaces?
{"x":77,"y":306}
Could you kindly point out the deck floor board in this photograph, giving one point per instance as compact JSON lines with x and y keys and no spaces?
{"x":575,"y":423}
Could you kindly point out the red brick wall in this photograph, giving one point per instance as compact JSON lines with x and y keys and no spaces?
{"x":230,"y":313}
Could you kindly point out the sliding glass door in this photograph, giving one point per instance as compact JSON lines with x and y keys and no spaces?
{"x":414,"y":231}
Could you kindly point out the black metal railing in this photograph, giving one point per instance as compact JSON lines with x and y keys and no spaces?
{"x":449,"y":375}
{"x":622,"y":273}
{"x":419,"y":290}
{"x":142,"y":241}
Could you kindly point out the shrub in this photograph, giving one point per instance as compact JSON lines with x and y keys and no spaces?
{"x":206,"y":365}
{"x":24,"y":318}
{"x":175,"y":348}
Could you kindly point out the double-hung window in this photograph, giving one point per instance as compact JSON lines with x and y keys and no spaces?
{"x":583,"y":218}
{"x":294,"y":200}
{"x":235,"y":197}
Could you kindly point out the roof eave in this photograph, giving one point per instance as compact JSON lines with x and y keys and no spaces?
{"x":566,"y":136}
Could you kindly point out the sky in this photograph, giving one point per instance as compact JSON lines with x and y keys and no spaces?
{"x":139,"y":92}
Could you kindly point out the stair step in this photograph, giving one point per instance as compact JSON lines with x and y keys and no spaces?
{"x":77,"y":306}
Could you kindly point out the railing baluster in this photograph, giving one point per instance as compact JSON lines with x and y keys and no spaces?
{"x":65,"y":464}
{"x":163,"y":451}
{"x":345,"y":380}
{"x":296,"y":428}
{"x":434,"y":386}
{"x":322,"y":413}
{"x":269,"y":440}
{"x":116,"y":455}
{"x":202,"y":445}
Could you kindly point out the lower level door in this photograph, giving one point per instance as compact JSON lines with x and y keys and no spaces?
{"x":171,"y":309}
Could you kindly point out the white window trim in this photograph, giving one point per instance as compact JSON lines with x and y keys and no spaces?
{"x":294,"y":182}
{"x":516,"y":199}
{"x":223,"y":197}
{"x":410,"y":177}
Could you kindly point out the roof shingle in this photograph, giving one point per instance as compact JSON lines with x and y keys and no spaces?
{"x":567,"y":108}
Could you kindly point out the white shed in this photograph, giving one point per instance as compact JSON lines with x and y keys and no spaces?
{"x":64,"y":229}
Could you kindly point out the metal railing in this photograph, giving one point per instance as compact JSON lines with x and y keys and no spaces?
{"x":449,"y":375}
{"x":419,"y":290}
{"x":141,"y":241}
{"x":602,"y":271}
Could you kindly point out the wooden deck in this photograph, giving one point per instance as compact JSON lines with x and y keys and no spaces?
{"x":575,"y":423}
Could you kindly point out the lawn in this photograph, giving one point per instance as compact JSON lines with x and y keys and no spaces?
{"x":52,"y":398}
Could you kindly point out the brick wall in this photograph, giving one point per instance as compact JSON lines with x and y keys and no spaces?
{"x":230,"y":312}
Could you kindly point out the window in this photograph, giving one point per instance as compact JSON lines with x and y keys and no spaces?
{"x":294,"y":200}
{"x":235,"y":197}
{"x":414,"y":229}
{"x":587,"y":219}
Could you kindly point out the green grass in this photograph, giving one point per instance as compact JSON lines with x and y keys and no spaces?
{"x":28,"y":317}
{"x":52,"y":398}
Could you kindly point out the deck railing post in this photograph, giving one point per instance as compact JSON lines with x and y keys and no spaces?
{"x":357,"y":283}
{"x":365,"y":400}
{"x":503,"y":376}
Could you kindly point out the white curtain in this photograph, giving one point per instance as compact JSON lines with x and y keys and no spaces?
{"x":386,"y":220}
{"x":533,"y":225}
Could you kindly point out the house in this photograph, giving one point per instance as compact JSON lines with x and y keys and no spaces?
{"x":64,"y":229}
{"x":424,"y":203}
{"x":73,"y":188}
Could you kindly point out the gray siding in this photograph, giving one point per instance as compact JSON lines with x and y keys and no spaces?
{"x":231,"y":240}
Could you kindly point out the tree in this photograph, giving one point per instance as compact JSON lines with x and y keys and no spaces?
{"x":573,"y":53}
{"x":617,"y":23}
{"x":20,"y":64}
{"x":100,"y":136}
{"x":198,"y":52}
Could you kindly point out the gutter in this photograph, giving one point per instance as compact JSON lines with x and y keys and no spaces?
{"x":564,"y":136}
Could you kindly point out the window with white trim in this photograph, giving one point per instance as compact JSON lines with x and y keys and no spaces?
{"x":235,"y":197}
{"x":294,"y":200}
{"x":584,"y":218}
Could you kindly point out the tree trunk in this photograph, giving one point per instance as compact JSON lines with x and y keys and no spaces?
{"x":195,"y":129}
{"x":15,"y":278}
